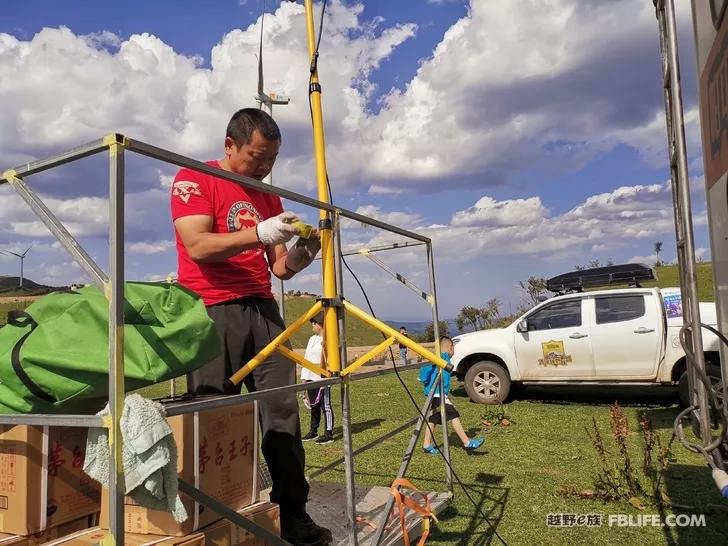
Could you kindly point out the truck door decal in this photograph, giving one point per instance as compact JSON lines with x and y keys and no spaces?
{"x":554,"y":354}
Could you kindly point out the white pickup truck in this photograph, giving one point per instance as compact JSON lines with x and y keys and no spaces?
{"x":625,"y":336}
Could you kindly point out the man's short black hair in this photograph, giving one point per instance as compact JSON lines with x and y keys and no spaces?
{"x":248,"y":120}
{"x":445,"y":338}
{"x":402,"y":328}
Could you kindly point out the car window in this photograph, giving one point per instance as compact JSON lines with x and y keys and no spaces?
{"x":563,"y":314}
{"x":619,"y":308}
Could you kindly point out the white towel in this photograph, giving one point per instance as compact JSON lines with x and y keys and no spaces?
{"x":149,"y":456}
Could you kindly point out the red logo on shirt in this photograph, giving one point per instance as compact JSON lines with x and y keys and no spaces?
{"x":184,"y":190}
{"x":242,"y":215}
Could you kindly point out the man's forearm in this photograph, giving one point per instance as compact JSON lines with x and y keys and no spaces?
{"x":280,"y":270}
{"x":216,"y":247}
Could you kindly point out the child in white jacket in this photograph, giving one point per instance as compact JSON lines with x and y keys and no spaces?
{"x":317,"y":400}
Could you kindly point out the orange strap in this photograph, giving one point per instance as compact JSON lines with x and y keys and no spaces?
{"x":423,"y":508}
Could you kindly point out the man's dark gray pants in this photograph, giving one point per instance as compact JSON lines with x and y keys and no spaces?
{"x":246,"y":326}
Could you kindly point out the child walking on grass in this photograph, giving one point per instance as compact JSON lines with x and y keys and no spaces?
{"x":428,"y":376}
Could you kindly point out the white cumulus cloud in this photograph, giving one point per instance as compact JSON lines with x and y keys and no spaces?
{"x":601,"y":223}
{"x":488,"y":212}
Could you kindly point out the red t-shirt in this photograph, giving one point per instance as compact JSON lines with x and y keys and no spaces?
{"x":232,"y":208}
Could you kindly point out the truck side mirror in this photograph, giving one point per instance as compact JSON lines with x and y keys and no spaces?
{"x":522,"y":326}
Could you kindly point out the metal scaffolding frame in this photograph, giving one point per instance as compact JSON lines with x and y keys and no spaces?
{"x":680,"y":184}
{"x":112,"y":285}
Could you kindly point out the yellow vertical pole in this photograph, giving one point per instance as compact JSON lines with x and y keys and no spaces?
{"x":331,"y":324}
{"x":115,"y":294}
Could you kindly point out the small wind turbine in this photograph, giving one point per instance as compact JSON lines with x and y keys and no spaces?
{"x":22,"y":258}
{"x":265,"y":103}
{"x":266,"y":100}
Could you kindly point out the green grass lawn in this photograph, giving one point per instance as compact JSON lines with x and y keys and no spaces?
{"x":520,"y":474}
{"x":668,"y":276}
{"x":517,"y":477}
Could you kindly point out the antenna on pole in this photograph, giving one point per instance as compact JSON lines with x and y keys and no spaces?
{"x":22,"y":259}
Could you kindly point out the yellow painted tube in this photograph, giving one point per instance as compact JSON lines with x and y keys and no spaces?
{"x":404,"y":340}
{"x":363,"y":359}
{"x":298,"y":359}
{"x":268,"y":350}
{"x":331,"y":323}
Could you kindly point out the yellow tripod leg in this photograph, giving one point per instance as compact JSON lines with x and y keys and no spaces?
{"x":293,"y":355}
{"x":404,"y":340}
{"x":269,"y":349}
{"x":363,"y":359}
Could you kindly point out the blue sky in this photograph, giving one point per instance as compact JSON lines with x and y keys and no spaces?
{"x":524,"y":138}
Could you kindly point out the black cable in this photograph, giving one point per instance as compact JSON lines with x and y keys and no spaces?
{"x":314,"y":60}
{"x":417,"y":407}
{"x":314,"y":67}
{"x":713,"y":404}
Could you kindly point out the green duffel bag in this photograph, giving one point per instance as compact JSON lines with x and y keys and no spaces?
{"x":54,"y":356}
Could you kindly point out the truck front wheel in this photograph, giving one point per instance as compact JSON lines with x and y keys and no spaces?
{"x":713,"y":372}
{"x":487,"y":383}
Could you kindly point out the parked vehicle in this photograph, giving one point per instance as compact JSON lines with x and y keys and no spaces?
{"x":625,"y":336}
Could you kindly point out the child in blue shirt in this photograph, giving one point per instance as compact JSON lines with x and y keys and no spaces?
{"x":428,"y":375}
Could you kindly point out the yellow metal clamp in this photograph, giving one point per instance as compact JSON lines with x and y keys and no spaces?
{"x":108,"y":424}
{"x":11,"y":175}
{"x":115,"y":143}
{"x":107,"y":290}
{"x":113,"y":138}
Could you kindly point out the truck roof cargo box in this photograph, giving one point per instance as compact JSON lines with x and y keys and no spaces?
{"x":576,"y":281}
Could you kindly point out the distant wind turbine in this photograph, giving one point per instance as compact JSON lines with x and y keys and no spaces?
{"x":22,"y":258}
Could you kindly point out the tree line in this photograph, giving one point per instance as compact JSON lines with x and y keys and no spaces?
{"x":472,"y":318}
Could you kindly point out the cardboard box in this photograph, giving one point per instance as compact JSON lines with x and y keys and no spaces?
{"x":97,"y":535}
{"x":217,"y":452}
{"x":49,"y":534}
{"x":225,"y":533}
{"x":42,"y":483}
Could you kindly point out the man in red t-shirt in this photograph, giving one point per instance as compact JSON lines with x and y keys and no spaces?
{"x":229,"y":240}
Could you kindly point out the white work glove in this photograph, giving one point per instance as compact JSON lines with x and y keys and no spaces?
{"x":302,"y":253}
{"x":276,"y":230}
